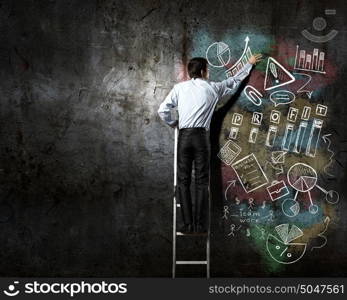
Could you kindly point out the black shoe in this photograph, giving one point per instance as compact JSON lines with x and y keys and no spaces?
{"x":187,"y":229}
{"x":200,"y":229}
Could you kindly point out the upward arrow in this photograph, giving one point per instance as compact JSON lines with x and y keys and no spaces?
{"x":231,"y":183}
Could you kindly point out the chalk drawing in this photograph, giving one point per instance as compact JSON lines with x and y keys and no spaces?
{"x":290,"y":207}
{"x":218,"y":54}
{"x":253,"y":135}
{"x":257,"y":117}
{"x":282,"y":97}
{"x":327,"y":141}
{"x":233,"y":229}
{"x":314,"y":137}
{"x":277,"y":190}
{"x":231,"y":183}
{"x":278,"y":157}
{"x":276,"y":75}
{"x":250,"y":173}
{"x":271,"y":136}
{"x":247,"y":53}
{"x":275,"y":116}
{"x":229,"y":152}
{"x":325,"y":240}
{"x":225,"y":212}
{"x":321,"y":110}
{"x":292,"y":114}
{"x":253,"y":95}
{"x":320,"y":24}
{"x":309,"y":62}
{"x":282,"y":249}
{"x":301,"y":89}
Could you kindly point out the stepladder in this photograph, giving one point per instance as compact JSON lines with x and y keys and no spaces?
{"x":176,"y":234}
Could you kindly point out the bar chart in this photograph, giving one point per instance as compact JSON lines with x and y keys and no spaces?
{"x":309,"y":61}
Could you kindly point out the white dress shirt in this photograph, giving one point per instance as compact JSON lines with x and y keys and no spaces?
{"x":196,"y":99}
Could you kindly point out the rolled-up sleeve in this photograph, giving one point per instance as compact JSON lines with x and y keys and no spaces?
{"x":166,"y":106}
{"x":230,"y":85}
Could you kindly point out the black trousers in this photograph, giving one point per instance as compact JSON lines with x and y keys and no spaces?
{"x":193,"y":146}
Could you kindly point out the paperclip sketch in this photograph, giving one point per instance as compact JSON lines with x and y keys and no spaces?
{"x":253,"y":95}
{"x":218,"y":51}
{"x":247,"y":53}
{"x":276,"y":75}
{"x":309,"y":62}
{"x":320,"y":24}
{"x":326,"y":224}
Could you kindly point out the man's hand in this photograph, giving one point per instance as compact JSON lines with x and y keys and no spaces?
{"x":255,"y":58}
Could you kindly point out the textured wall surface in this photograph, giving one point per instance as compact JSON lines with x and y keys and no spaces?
{"x":86,"y":166}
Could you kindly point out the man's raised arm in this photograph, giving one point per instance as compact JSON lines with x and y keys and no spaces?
{"x":230,"y":85}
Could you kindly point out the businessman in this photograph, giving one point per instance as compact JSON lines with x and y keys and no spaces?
{"x":196,"y":100}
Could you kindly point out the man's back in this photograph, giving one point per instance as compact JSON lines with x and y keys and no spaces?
{"x":196,"y":100}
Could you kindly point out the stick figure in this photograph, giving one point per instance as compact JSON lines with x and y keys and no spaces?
{"x":225,"y":212}
{"x":251,"y":203}
{"x":233,"y":229}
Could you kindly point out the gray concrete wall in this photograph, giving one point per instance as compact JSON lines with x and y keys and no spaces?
{"x":86,"y":165}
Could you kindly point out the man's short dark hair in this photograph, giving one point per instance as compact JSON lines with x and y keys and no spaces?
{"x":196,"y":65}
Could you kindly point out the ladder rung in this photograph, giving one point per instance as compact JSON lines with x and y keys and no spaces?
{"x":191,"y":262}
{"x":191,"y":234}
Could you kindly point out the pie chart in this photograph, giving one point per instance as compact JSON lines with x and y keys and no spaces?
{"x":218,"y":54}
{"x":302,"y":177}
{"x":290,"y":207}
{"x":281,"y":247}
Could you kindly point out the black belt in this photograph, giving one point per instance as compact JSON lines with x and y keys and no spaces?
{"x":193,"y":129}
